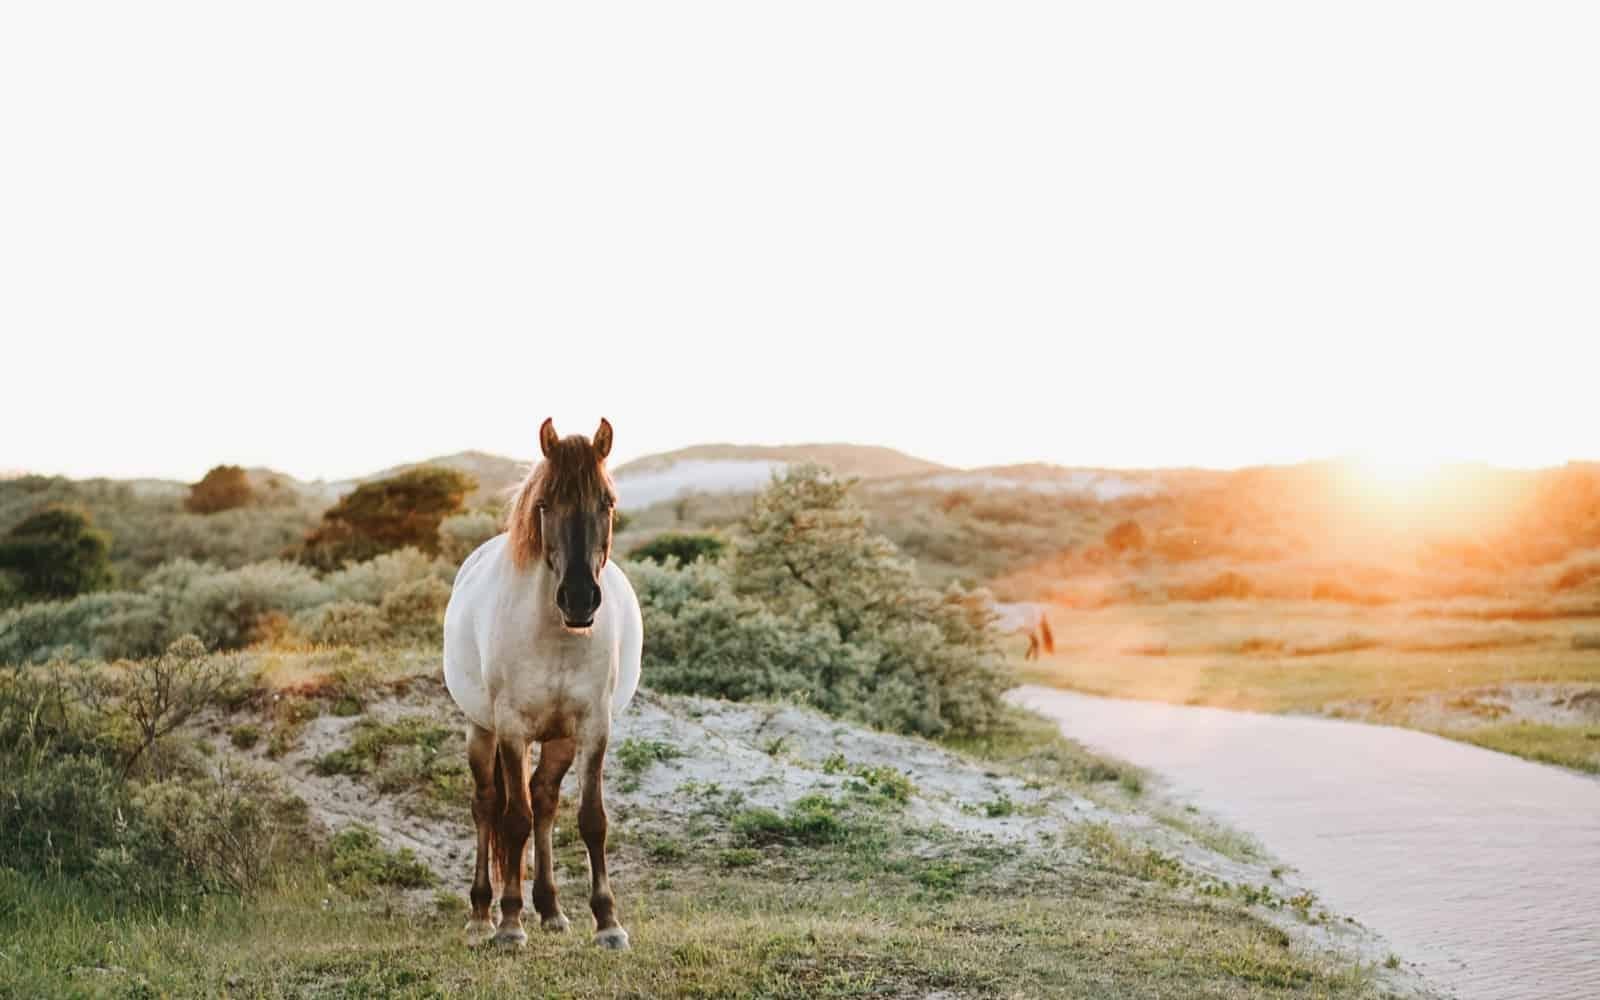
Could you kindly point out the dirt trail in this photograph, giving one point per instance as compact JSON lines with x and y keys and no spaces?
{"x":1481,"y":867}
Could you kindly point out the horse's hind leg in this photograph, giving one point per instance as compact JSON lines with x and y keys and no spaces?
{"x":515,"y":822}
{"x":487,"y":805}
{"x":555,"y":756}
{"x":592,"y":824}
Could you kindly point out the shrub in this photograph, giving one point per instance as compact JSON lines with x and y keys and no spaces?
{"x":919,"y":661}
{"x":415,"y":610}
{"x":360,"y":862}
{"x":461,"y":534}
{"x":56,"y":553}
{"x":685,"y":548}
{"x":371,"y":581}
{"x":105,"y":626}
{"x":224,"y":607}
{"x":225,"y":487}
{"x":67,"y":809}
{"x":236,"y":829}
{"x":343,"y":623}
{"x":701,"y":638}
{"x":394,"y":513}
{"x":816,"y":608}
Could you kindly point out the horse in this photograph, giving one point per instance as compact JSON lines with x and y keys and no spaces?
{"x":1028,"y":618}
{"x":542,"y":638}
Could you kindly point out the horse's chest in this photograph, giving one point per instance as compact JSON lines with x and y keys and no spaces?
{"x":554,"y":692}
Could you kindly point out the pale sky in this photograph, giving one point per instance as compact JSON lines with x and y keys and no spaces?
{"x":329,"y":237}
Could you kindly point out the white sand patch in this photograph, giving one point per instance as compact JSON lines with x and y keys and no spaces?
{"x":1102,"y":486}
{"x":638,"y":490}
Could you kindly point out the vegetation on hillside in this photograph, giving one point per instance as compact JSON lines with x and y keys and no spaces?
{"x":224,"y":487}
{"x":395,"y":513}
{"x":53,"y":554}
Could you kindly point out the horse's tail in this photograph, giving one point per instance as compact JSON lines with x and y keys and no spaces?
{"x":1044,"y":630}
{"x":496,"y":862}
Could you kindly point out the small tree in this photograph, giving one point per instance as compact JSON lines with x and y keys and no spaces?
{"x":57,"y":553}
{"x":388,"y":514}
{"x":926,"y":662}
{"x":684,"y":547}
{"x":225,"y":487}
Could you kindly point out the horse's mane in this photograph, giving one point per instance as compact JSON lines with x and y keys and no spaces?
{"x":572,"y":473}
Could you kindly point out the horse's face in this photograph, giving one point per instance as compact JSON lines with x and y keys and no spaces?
{"x":575,"y":520}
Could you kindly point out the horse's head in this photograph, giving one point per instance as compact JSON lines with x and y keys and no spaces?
{"x":564,"y":517}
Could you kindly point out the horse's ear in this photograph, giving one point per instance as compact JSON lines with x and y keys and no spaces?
{"x":602,"y":438}
{"x":547,"y":436}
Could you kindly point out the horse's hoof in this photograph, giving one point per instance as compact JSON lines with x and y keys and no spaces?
{"x":557,"y":924}
{"x":479,"y":932}
{"x":511,"y":938}
{"x":612,"y":939}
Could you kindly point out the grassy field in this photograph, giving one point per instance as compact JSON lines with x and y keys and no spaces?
{"x":697,"y":931}
{"x":857,"y":891}
{"x":1460,"y":669}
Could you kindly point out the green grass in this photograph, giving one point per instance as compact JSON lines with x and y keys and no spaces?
{"x":1569,"y":746}
{"x":735,"y":931}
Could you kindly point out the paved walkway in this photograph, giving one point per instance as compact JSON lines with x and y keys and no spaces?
{"x":1482,"y":868}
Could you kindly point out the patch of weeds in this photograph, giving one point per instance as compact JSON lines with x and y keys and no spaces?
{"x":942,"y":878}
{"x":883,"y":783}
{"x":289,"y":718}
{"x":712,"y":798}
{"x":1301,"y":903}
{"x":1103,"y":844}
{"x":666,"y":849}
{"x":635,"y":756}
{"x":371,"y":741}
{"x":738,"y":857}
{"x":776,"y":747}
{"x":1131,"y":782}
{"x":1392,"y":962}
{"x":245,"y":735}
{"x":810,"y":820}
{"x":361,"y":863}
{"x":449,"y":903}
{"x":835,"y":763}
{"x":1000,"y":805}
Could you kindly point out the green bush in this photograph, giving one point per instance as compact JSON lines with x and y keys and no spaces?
{"x":56,"y":553}
{"x":106,"y":625}
{"x":343,"y":623}
{"x":816,"y":608}
{"x":461,"y":534}
{"x":373,"y":580}
{"x":226,"y":607}
{"x":67,"y":809}
{"x":395,"y":513}
{"x":360,"y":862}
{"x":415,"y":610}
{"x":685,"y":548}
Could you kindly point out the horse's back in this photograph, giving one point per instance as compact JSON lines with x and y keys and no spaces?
{"x":630,"y":635}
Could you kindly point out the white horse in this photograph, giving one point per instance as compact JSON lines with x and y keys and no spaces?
{"x":541,"y":642}
{"x":1029,"y":619}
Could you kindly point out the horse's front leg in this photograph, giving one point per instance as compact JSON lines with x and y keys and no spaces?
{"x":592,"y":824}
{"x":555,"y":756}
{"x":511,"y":838}
{"x":486,"y":809}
